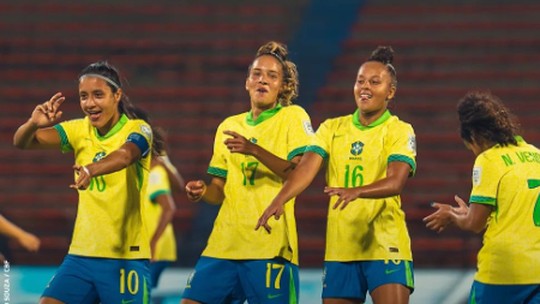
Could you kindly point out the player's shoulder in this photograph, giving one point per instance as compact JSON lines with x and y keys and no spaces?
{"x":396,"y":123}
{"x":139,"y":126}
{"x":337,"y":122}
{"x":293,"y":109}
{"x":234,"y":119}
{"x":75,"y":121}
{"x":394,"y":119}
{"x":157,"y":172}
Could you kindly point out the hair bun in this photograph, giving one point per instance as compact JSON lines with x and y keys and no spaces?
{"x":384,"y":54}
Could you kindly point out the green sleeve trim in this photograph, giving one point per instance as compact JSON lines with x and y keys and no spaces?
{"x":217,"y":172}
{"x":317,"y":150}
{"x":404,"y":159}
{"x":484,"y":200}
{"x":64,"y":143}
{"x":154,"y":195}
{"x":296,"y":152}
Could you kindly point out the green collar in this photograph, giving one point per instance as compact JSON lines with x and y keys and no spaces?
{"x":265,"y":115}
{"x":356,"y":121}
{"x":121,"y":122}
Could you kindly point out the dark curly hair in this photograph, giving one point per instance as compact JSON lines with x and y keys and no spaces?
{"x":484,"y":118}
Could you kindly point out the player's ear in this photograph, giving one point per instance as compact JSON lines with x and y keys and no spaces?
{"x":391,"y":92}
{"x":118,"y":95}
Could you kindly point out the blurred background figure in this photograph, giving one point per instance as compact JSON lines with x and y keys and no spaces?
{"x":26,"y":239}
{"x":163,"y":180}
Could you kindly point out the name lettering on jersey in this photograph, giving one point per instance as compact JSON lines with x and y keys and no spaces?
{"x":523,"y":157}
{"x":507,"y":160}
{"x":528,"y":157}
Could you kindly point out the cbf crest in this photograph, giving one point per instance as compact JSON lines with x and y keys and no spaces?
{"x":357,"y":147}
{"x":99,"y":156}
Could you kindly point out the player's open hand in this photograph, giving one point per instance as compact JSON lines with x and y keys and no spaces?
{"x":345,"y":195}
{"x":276,"y":210}
{"x":47,"y":113}
{"x":238,"y":143}
{"x":195,"y":190}
{"x":440,"y":219}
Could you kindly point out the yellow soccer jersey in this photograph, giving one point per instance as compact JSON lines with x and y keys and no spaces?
{"x":110,"y":221}
{"x":508,"y":178}
{"x":250,"y":186}
{"x":367,"y":229}
{"x":158,"y":184}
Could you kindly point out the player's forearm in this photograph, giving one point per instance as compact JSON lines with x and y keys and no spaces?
{"x":165,"y":218}
{"x":381,"y":189}
{"x":25,"y":135}
{"x":278,"y":166}
{"x":10,"y":230}
{"x":466,"y":222}
{"x":391,"y":185}
{"x":299,"y":179}
{"x":213,"y":194}
{"x":113,"y":162}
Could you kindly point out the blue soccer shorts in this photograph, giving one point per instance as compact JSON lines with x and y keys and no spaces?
{"x":508,"y":294}
{"x":270,"y":281}
{"x":354,"y":279}
{"x":92,"y":280}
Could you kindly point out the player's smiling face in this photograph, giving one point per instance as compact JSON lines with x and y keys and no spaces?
{"x":264,"y":82}
{"x":99,"y":103}
{"x":373,"y":89}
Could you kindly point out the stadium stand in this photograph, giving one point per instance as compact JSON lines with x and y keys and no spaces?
{"x":186,"y":61}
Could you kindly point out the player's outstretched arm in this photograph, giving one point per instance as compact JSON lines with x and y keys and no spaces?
{"x":397,"y":175}
{"x":119,"y":159}
{"x":29,"y":241}
{"x":298,"y":181}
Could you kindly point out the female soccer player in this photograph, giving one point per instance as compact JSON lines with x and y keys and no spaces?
{"x":110,"y":249}
{"x":504,"y":201}
{"x":253,"y":153}
{"x":160,"y":207}
{"x":370,"y":154}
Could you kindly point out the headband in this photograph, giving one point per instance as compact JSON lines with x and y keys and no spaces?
{"x":276,"y":55}
{"x":107,"y":79}
{"x":391,"y":67}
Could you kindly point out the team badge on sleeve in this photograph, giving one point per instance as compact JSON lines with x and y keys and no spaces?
{"x":146,"y":131}
{"x":307,"y":127}
{"x":476,"y":176}
{"x":412,"y":143}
